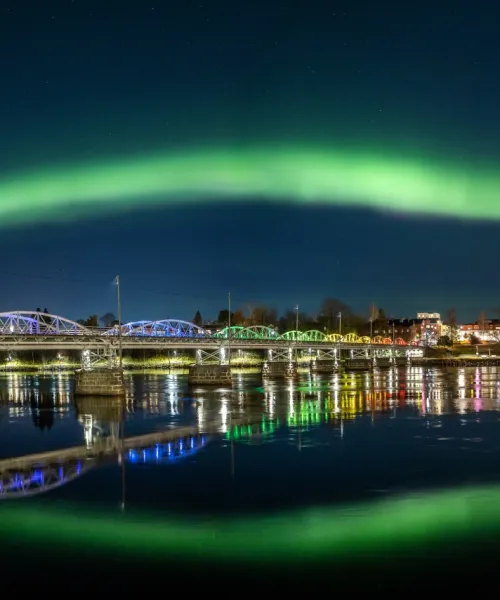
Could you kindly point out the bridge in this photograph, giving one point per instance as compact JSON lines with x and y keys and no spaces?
{"x":28,"y":330}
{"x":34,"y":474}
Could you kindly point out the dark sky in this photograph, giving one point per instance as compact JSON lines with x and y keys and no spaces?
{"x":94,"y":80}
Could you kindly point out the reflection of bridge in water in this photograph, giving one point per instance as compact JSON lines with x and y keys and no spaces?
{"x":314,"y":401}
{"x":32,"y":474}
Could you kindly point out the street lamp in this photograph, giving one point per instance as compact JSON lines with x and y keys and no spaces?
{"x":296,"y":334}
{"x":119,"y":306}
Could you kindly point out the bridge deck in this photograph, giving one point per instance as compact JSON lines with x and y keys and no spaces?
{"x":83,"y":342}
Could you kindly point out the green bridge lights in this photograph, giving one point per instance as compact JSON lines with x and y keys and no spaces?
{"x":259,"y":332}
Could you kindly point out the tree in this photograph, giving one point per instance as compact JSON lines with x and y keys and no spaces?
{"x":262,"y":315}
{"x":474,"y":339}
{"x":482,"y":321}
{"x":224,"y":316}
{"x":380,"y":325}
{"x":238,"y":318}
{"x":288,"y":321}
{"x":451,"y":322}
{"x":329,"y":314}
{"x":272,"y":317}
{"x":198,"y":319}
{"x":108,"y":319}
{"x":258,"y":315}
{"x":494,"y":335}
{"x":444,"y":340}
{"x":92,"y":321}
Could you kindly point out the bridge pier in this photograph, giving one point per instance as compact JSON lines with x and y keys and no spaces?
{"x":325,"y":366}
{"x":210,"y":375}
{"x":99,"y":382}
{"x":384,"y":362}
{"x":279,"y":369}
{"x":358,"y":364}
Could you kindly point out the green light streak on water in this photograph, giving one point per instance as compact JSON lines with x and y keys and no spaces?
{"x":318,"y":533}
{"x":304,"y":175}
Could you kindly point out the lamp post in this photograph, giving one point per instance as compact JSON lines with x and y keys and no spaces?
{"x":119,"y":303}
{"x":296,"y":334}
{"x":229,"y":329}
{"x":120,"y":364}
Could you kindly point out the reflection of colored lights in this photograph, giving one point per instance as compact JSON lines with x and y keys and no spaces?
{"x":36,"y":479}
{"x":239,"y":432}
{"x":169,"y":452}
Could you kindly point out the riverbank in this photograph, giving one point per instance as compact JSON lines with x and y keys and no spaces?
{"x":304,"y":366}
{"x":456,"y":361}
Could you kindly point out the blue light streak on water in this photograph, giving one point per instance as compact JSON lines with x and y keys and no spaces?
{"x":166,"y":453}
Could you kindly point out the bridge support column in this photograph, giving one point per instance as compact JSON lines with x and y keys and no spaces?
{"x":324,"y":366}
{"x":279,"y":369}
{"x":99,"y":382}
{"x":210,"y":375}
{"x":359,"y":364}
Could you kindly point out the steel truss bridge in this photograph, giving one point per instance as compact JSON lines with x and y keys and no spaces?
{"x":35,"y":474}
{"x":28,"y":330}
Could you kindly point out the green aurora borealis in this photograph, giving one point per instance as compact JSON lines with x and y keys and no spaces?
{"x":412,"y":522}
{"x":302,"y":175}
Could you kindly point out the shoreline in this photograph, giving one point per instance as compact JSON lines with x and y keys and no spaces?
{"x":183,"y":369}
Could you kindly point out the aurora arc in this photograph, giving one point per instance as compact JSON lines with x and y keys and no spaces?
{"x":301,"y":175}
{"x":338,"y":533}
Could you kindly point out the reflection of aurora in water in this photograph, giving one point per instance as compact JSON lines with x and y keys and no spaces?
{"x":312,"y":534}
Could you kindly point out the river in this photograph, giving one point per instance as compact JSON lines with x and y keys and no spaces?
{"x":348,"y":467}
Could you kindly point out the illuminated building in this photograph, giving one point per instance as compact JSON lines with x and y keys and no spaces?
{"x":425,"y":328}
{"x":487,"y":330}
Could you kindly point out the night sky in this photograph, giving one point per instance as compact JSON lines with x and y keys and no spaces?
{"x":93,"y":81}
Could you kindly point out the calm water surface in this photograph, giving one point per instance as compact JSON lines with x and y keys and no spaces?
{"x":320,"y":440}
{"x":317,"y":442}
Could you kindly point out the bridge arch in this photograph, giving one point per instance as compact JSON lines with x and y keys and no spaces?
{"x":263,"y":332}
{"x":352,"y":338}
{"x":333,"y":337}
{"x":165,"y":328}
{"x":378,"y":339}
{"x":236,"y":332}
{"x":292,"y":336}
{"x":28,"y":322}
{"x":313,"y":335}
{"x":400,"y":342}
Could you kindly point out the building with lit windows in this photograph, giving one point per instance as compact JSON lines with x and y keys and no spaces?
{"x":487,"y":330}
{"x":424,"y":329}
